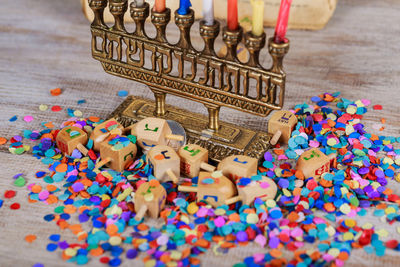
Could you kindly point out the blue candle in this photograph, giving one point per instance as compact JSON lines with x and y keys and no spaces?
{"x":184,"y":7}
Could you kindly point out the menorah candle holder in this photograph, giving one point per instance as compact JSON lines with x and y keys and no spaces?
{"x":225,"y":81}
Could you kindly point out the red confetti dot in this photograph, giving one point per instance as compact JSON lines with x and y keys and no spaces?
{"x":377,"y":107}
{"x":15,"y":206}
{"x":392,"y":244}
{"x":104,"y":259}
{"x":56,"y":108}
{"x":9,"y":194}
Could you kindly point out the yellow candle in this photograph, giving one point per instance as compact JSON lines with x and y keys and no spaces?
{"x":258,"y":17}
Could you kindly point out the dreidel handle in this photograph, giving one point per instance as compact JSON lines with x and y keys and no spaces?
{"x":207,"y":167}
{"x":185,"y":188}
{"x":233,"y":200}
{"x":140,"y":214}
{"x":82,"y":149}
{"x":175,"y":137}
{"x":102,"y":162}
{"x":172,"y":176}
{"x":275,"y":138}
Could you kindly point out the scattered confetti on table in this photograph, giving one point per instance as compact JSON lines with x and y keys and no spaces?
{"x":101,"y":200}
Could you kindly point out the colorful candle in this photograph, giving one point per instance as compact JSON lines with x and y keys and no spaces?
{"x":282,"y":22}
{"x":258,"y":17}
{"x":139,"y":3}
{"x":208,"y":12}
{"x":233,"y":23}
{"x":159,"y":6}
{"x":184,"y":7}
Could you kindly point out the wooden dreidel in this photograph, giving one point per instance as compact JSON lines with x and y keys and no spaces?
{"x":165,"y":163}
{"x":70,"y":138}
{"x":281,"y":125}
{"x":193,"y":159}
{"x":149,"y":199}
{"x":154,"y":131}
{"x":118,"y":152}
{"x":105,"y":129}
{"x":313,"y":163}
{"x":214,"y":188}
{"x":249,"y":189}
{"x":237,"y":166}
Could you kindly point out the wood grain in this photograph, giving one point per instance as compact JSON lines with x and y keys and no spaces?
{"x":46,"y":44}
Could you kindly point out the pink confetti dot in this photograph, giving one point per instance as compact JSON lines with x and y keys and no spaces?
{"x":28,"y":118}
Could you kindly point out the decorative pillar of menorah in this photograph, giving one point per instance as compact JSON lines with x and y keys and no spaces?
{"x":232,"y":40}
{"x":160,"y":20}
{"x":278,"y":52}
{"x":118,"y":9}
{"x":98,"y":7}
{"x":184,"y":23}
{"x":254,"y":44}
{"x":139,"y":16}
{"x":209,"y":33}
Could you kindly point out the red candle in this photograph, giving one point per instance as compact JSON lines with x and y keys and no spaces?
{"x":159,"y":6}
{"x":233,"y":23}
{"x":282,"y":22}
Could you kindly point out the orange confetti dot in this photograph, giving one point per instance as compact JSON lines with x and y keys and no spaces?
{"x":276,"y":253}
{"x":62,"y":167}
{"x":30,"y":238}
{"x":94,"y":119}
{"x":112,"y":229}
{"x":51,"y":188}
{"x":56,"y":92}
{"x":142,"y":227}
{"x":3,"y":140}
{"x":159,"y":157}
{"x":96,"y":252}
{"x":36,"y":188}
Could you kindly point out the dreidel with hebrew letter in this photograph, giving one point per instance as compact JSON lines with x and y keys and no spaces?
{"x":153,"y":131}
{"x":313,"y":163}
{"x":165,"y":163}
{"x":214,"y":188}
{"x":193,"y":159}
{"x":105,"y":129}
{"x":149,"y":199}
{"x":281,"y":125}
{"x":254,"y":187}
{"x":237,"y":166}
{"x":70,"y":138}
{"x":117,"y":152}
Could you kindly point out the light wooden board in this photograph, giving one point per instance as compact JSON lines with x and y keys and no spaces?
{"x":46,"y":44}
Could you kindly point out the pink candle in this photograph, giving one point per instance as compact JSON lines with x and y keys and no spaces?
{"x":232,"y":17}
{"x":282,"y":22}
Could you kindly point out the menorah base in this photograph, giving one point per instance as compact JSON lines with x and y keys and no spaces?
{"x":229,"y":140}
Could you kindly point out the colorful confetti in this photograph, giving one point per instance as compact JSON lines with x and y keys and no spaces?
{"x":101,"y":200}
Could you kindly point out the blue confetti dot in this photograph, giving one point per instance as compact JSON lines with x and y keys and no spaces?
{"x":123,"y":93}
{"x":54,"y":237}
{"x":115,"y":262}
{"x":14,"y":118}
{"x":51,"y":247}
{"x":48,"y":217}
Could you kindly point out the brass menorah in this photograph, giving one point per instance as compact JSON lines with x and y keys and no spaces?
{"x":224,"y":81}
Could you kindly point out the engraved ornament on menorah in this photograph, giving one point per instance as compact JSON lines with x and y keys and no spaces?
{"x":201,"y":76}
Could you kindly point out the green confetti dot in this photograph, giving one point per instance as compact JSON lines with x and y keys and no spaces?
{"x":20,"y":182}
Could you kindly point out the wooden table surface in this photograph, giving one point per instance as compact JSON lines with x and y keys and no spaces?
{"x":45,"y":44}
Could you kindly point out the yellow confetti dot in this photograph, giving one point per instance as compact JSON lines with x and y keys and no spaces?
{"x":270,"y":203}
{"x":351,"y":110}
{"x":367,"y":226}
{"x":150,"y":263}
{"x":148,"y":197}
{"x":192,"y":208}
{"x":398,"y":229}
{"x":350,"y":223}
{"x":345,"y":208}
{"x":398,"y":177}
{"x":78,"y":113}
{"x":390,"y":210}
{"x":70,"y":252}
{"x":219,"y":212}
{"x":334,"y":252}
{"x":115,"y":240}
{"x":176,"y":255}
{"x":382,"y":232}
{"x":43,"y":107}
{"x":348,"y":236}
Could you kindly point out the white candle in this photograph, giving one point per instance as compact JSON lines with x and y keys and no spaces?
{"x":208,"y":12}
{"x":139,"y":3}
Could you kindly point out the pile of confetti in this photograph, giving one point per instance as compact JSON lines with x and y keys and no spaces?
{"x":305,"y":211}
